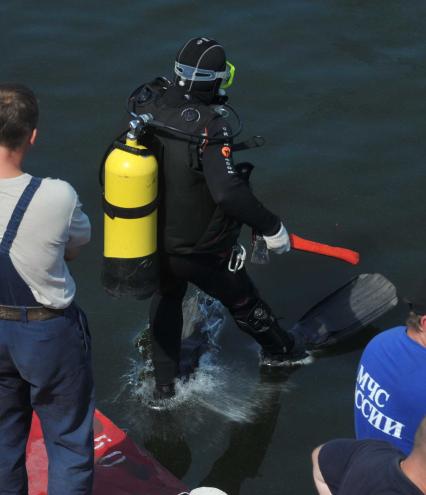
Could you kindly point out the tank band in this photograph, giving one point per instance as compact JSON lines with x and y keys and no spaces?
{"x":131,"y":149}
{"x":118,"y":211}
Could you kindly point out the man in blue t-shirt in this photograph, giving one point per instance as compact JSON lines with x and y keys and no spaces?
{"x":390,"y":393}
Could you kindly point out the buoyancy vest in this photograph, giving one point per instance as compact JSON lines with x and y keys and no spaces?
{"x":189,"y":221}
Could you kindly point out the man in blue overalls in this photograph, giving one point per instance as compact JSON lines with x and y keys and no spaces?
{"x":45,"y":363}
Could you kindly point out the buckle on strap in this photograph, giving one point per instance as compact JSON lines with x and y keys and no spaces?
{"x":237,"y":258}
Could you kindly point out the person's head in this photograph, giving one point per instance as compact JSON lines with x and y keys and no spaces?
{"x":414,"y":466}
{"x":18,"y":116}
{"x":204,"y":490}
{"x":419,"y":447}
{"x":201,"y":67}
{"x":416,"y":320}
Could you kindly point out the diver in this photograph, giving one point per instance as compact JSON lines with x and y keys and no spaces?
{"x":204,"y":199}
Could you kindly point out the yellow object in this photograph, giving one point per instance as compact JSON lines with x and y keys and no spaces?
{"x":131,"y":183}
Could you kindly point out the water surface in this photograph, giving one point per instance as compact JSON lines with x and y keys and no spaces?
{"x":337,"y":89}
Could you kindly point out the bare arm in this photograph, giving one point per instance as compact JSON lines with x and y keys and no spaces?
{"x":321,"y":485}
{"x":79,"y":233}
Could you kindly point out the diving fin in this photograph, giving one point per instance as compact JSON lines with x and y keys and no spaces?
{"x":346,"y":311}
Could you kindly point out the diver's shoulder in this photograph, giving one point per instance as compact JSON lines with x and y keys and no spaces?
{"x":147,"y":94}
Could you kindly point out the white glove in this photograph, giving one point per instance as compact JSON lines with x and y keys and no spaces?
{"x":278,"y":243}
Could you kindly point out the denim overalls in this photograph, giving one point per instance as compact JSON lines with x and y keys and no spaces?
{"x":45,"y":367}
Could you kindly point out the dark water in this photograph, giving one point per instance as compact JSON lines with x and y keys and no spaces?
{"x":338,"y":90}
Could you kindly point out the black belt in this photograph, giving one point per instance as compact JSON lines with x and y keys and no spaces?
{"x":31,"y":314}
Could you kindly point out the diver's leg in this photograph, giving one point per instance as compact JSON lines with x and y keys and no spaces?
{"x":166,"y":321}
{"x":256,"y":319}
{"x":238,"y":294}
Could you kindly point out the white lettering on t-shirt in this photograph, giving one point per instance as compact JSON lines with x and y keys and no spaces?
{"x":369,"y":396}
{"x":362,"y":377}
{"x":393,"y":428}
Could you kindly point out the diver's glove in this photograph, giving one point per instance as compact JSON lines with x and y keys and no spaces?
{"x":278,"y":243}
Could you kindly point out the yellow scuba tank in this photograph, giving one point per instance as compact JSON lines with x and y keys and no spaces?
{"x":130,"y":265}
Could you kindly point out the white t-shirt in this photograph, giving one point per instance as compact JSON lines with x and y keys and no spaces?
{"x":53,"y":222}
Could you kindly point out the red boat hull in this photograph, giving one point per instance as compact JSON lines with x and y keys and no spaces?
{"x":121,"y":467}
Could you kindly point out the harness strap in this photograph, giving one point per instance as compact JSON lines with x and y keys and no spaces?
{"x":253,"y":142}
{"x":18,"y":214}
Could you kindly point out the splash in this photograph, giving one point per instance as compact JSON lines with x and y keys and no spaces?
{"x":210,"y":388}
{"x":212,"y":395}
{"x":203,"y":320}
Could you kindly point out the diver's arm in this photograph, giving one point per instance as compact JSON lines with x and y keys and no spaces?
{"x":230,"y":191}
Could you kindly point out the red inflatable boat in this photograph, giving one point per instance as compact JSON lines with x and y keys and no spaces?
{"x":121,"y":467}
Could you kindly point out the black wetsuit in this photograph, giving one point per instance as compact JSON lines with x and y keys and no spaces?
{"x":204,"y":202}
{"x":230,"y":190}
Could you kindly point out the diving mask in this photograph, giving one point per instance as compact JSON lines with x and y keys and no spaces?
{"x":189,"y":73}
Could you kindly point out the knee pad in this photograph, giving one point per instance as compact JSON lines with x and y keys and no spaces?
{"x":255,"y":319}
{"x":261,"y":324}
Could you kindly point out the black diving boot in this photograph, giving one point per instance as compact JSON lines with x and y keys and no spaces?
{"x":295,"y":356}
{"x":279,"y":348}
{"x":162,"y":392}
{"x":162,"y":396}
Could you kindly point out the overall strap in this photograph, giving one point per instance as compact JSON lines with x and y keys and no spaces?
{"x":18,"y":214}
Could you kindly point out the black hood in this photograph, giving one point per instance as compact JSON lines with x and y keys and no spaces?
{"x":202,"y":53}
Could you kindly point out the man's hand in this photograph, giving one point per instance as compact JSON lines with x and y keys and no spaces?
{"x":280,"y":242}
{"x":71,"y":253}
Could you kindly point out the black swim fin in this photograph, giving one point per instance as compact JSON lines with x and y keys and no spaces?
{"x":346,"y":311}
